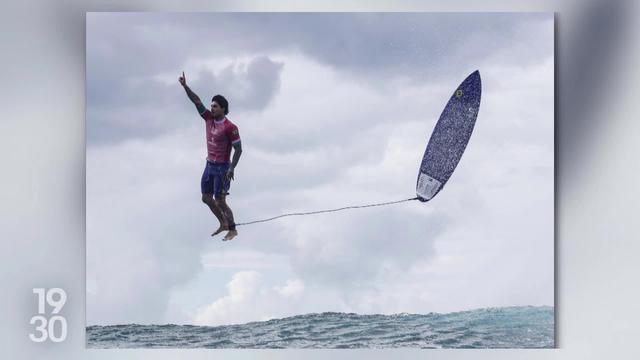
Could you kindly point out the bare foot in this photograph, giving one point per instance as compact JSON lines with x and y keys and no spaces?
{"x":230,"y":235}
{"x":220,"y":229}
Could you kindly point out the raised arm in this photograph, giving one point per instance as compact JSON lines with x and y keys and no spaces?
{"x":192,"y":96}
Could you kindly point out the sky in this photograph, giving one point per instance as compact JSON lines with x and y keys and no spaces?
{"x":333,"y":109}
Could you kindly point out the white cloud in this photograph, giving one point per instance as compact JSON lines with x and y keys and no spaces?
{"x":238,"y":259}
{"x":250,"y":299}
{"x":236,"y":306}
{"x":292,"y":289}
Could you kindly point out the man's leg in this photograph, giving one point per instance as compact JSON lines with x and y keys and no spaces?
{"x":211,"y":203}
{"x":221,"y":204}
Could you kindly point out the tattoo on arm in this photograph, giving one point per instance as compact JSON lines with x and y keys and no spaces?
{"x":192,"y":96}
{"x":195,"y":99}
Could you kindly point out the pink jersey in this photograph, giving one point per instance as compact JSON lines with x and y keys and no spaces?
{"x":221,"y":135}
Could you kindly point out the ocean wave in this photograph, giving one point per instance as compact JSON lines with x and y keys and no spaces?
{"x":505,"y":327}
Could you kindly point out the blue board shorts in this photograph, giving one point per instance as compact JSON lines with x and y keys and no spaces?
{"x":213,"y":179}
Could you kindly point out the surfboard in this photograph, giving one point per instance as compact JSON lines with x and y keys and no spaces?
{"x":449,"y":138}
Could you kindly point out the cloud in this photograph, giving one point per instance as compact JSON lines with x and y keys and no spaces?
{"x":253,"y":86}
{"x":350,"y":251}
{"x":236,"y":306}
{"x":233,"y":259}
{"x":139,"y":243}
{"x":142,"y":105}
{"x":127,"y":52}
{"x":250,"y":299}
{"x":292,"y":289}
{"x":382,"y":44}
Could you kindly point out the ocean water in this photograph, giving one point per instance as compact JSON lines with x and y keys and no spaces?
{"x":508,"y":327}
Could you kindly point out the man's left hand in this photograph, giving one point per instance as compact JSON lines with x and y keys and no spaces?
{"x":229,"y":174}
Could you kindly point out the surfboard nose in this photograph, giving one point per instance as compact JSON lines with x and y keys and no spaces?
{"x":473,"y":77}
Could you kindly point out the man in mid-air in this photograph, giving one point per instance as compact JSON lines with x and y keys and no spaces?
{"x":222,"y":135}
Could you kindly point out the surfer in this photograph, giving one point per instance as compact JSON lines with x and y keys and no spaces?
{"x":222,"y":135}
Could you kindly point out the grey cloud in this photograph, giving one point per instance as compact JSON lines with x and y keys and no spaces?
{"x":249,"y":89}
{"x":144,"y":107}
{"x":137,"y":254}
{"x":421,"y":46}
{"x":352,"y":254}
{"x":126,"y":50}
{"x":316,"y":164}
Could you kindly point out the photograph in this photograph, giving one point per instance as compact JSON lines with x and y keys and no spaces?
{"x":329,"y":180}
